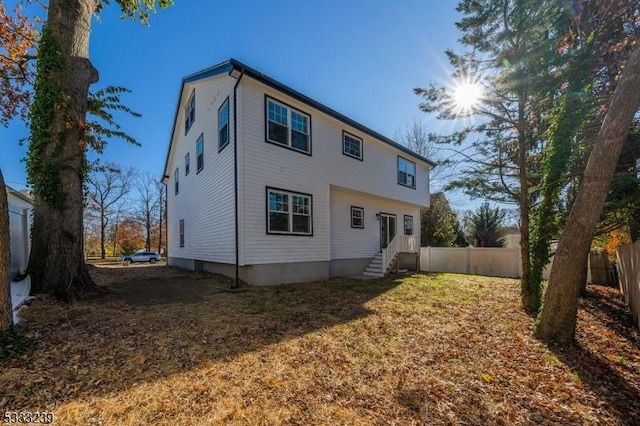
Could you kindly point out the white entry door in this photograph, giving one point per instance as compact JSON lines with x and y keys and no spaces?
{"x":387,"y":229}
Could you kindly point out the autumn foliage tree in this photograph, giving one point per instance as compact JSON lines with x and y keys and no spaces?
{"x":17,"y":42}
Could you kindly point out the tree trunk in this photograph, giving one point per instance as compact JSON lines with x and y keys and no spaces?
{"x":529,"y":296}
{"x":160,"y":221}
{"x":6,"y":311}
{"x":56,"y":263}
{"x":557,"y":321}
{"x":103,"y":233}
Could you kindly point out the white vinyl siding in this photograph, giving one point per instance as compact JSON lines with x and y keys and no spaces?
{"x":261,"y":165}
{"x":206,"y":200}
{"x":352,"y":243}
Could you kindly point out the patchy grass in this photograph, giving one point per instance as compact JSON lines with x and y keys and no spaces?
{"x":173,"y":347}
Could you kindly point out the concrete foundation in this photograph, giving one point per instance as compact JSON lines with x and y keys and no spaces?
{"x":348,"y":267}
{"x":268,"y":274}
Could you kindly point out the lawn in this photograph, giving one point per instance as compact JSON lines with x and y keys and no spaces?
{"x":174,"y":347}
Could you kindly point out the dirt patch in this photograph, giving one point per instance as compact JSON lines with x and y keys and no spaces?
{"x":146,"y":285}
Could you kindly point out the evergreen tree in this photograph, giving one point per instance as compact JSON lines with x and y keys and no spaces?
{"x":440,"y":225}
{"x":485,"y":226}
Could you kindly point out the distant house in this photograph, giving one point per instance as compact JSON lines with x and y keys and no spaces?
{"x":20,"y":214}
{"x":269,"y":181}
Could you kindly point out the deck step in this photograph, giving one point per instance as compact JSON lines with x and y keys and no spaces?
{"x":373,"y":274}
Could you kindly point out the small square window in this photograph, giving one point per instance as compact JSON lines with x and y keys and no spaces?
{"x":408,"y":225}
{"x":190,"y":112}
{"x":200,"y":152}
{"x":351,"y":146}
{"x":223,"y":125}
{"x":357,"y":217}
{"x":406,"y":172}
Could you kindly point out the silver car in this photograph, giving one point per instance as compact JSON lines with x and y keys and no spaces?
{"x":143,"y":256}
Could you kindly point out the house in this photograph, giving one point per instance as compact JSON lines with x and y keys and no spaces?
{"x":20,"y":208}
{"x":270,"y":186}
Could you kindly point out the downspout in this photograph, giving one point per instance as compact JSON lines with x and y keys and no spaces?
{"x":236,"y":283}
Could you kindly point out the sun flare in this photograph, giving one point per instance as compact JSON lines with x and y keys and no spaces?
{"x":466,"y":95}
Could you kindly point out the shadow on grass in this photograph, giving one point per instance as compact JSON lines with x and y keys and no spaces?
{"x":610,"y":311}
{"x":603,"y":380}
{"x":593,"y":369}
{"x":152,"y":327}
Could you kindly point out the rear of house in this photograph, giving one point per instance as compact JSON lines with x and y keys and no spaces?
{"x":292,"y":190}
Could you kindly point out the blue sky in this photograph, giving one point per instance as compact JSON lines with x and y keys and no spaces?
{"x":361,"y":58}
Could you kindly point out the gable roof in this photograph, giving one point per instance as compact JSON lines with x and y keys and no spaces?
{"x":235,"y":65}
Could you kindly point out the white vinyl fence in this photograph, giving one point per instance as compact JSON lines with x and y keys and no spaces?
{"x":629,"y":277}
{"x":494,"y":262}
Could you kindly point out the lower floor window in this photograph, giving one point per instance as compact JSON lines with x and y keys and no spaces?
{"x":357,"y":217}
{"x":181,"y":232}
{"x":288,"y":212}
{"x":408,"y":225}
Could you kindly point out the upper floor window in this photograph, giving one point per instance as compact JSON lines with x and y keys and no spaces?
{"x":190,"y":112}
{"x":357,"y":217}
{"x":200,"y":152}
{"x":187,"y":164}
{"x":223,"y":125}
{"x":176,"y":180}
{"x":288,"y":127}
{"x":406,"y":172}
{"x":288,"y":212}
{"x":351,"y":146}
{"x":408,"y":225}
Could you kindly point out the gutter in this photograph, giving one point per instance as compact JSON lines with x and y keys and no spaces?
{"x":236,"y":283}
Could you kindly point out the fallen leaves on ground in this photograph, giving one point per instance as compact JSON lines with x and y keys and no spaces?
{"x":169,"y":346}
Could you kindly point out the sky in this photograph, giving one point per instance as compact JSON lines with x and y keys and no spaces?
{"x":361,"y":58}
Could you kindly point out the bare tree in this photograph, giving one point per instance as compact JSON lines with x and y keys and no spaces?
{"x":148,"y":205}
{"x":416,"y":137}
{"x":106,"y":187}
{"x":162,"y":214}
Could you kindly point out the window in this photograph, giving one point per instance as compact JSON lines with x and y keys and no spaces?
{"x":181,"y":232}
{"x":190,"y":112}
{"x":351,"y":146}
{"x":176,"y":179}
{"x":223,"y":125}
{"x":200,"y":152}
{"x":187,"y":164}
{"x":406,"y":172}
{"x":288,"y":127}
{"x":408,"y":225}
{"x":288,"y":212}
{"x":357,"y":217}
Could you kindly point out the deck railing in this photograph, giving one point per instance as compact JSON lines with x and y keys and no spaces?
{"x":399,"y":244}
